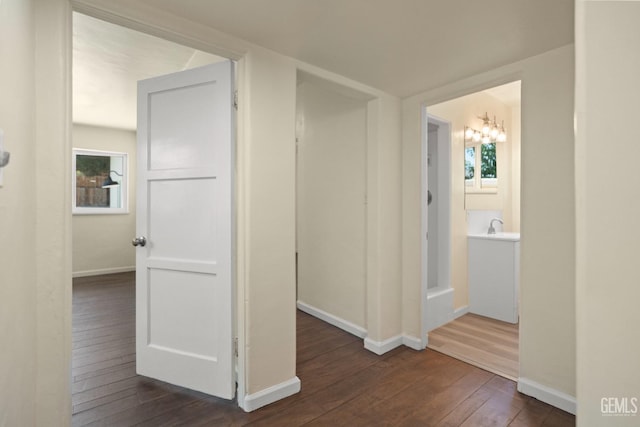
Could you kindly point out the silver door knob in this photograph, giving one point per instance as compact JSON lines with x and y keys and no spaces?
{"x":139,"y":241}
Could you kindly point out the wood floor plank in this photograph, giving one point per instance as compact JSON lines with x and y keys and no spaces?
{"x":487,"y":343}
{"x":498,"y":410}
{"x":465,"y":409}
{"x":533,"y":414}
{"x":123,"y":372}
{"x":86,"y":369}
{"x":342,"y":383}
{"x":433,"y":410}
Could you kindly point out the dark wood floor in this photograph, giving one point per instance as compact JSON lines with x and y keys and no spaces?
{"x":342,"y":383}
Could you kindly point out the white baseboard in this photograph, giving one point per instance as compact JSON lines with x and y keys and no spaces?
{"x":101,"y":271}
{"x":381,"y":347}
{"x":269,"y":395}
{"x":412,"y":342}
{"x":345,"y":325}
{"x":547,"y":395}
{"x":460,"y":311}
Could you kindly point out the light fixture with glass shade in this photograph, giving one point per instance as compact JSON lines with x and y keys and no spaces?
{"x":110,"y":183}
{"x":490,"y":131}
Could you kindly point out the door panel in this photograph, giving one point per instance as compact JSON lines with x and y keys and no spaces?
{"x":193,"y":201}
{"x":184,"y":289}
{"x":173,"y":329}
{"x":194,"y":149}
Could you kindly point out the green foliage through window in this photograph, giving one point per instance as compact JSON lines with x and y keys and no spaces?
{"x":489,"y":168}
{"x":469,"y":162}
{"x":93,"y":165}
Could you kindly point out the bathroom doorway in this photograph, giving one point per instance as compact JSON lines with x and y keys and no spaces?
{"x":484,"y":174}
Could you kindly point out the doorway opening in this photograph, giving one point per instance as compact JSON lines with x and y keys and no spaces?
{"x":108,"y":61}
{"x":480,"y":311}
{"x":331,"y":206}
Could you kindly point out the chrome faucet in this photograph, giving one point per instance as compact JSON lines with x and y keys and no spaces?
{"x":491,"y":229}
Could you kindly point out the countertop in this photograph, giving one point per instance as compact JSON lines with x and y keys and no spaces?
{"x":511,"y":237}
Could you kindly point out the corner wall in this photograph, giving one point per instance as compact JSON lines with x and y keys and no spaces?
{"x":269,"y":206}
{"x":607,"y":212}
{"x":18,"y":326}
{"x":102,"y":243}
{"x":547,"y":329}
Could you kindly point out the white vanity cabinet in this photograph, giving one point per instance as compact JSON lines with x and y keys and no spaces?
{"x":494,"y":271}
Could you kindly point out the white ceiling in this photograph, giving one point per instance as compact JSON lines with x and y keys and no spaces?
{"x":108,"y":61}
{"x":508,"y":94}
{"x":400,"y":46}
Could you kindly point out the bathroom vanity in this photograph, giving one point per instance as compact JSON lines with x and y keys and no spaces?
{"x":494,"y":271}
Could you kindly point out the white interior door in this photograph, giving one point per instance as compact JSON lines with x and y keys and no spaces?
{"x":184,"y":289}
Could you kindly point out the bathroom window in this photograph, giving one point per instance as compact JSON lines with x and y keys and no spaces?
{"x":99,"y":182}
{"x":481,"y":158}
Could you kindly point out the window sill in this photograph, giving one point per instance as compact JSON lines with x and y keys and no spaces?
{"x":481,"y":191}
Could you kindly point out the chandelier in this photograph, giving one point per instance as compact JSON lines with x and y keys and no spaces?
{"x":490,"y":131}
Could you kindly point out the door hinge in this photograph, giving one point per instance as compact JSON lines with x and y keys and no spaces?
{"x":235,"y":346}
{"x":235,"y":99}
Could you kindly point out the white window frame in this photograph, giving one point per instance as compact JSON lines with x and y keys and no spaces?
{"x":122,"y":188}
{"x":480,"y":185}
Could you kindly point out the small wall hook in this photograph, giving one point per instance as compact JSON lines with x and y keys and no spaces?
{"x":4,"y":158}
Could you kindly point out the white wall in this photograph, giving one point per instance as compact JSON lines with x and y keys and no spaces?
{"x":331,"y":190}
{"x":17,"y":216}
{"x":384,"y":220}
{"x":461,"y":112}
{"x":268,"y":172}
{"x":53,"y":211}
{"x":607,"y":208}
{"x":547,"y":328}
{"x":102,"y":243}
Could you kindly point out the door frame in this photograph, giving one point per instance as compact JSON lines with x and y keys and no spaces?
{"x":237,"y":55}
{"x":449,"y":92}
{"x":444,"y":209}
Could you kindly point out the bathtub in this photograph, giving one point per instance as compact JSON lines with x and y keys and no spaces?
{"x":439,"y":307}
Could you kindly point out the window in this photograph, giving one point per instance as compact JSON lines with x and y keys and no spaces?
{"x":486,"y":163}
{"x":99,"y":182}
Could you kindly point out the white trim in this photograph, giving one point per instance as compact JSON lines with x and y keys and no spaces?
{"x":547,"y":395}
{"x":458,"y":312}
{"x":271,"y":394}
{"x":101,"y":271}
{"x":412,"y":342}
{"x":439,"y":307}
{"x":381,"y":347}
{"x":336,"y":321}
